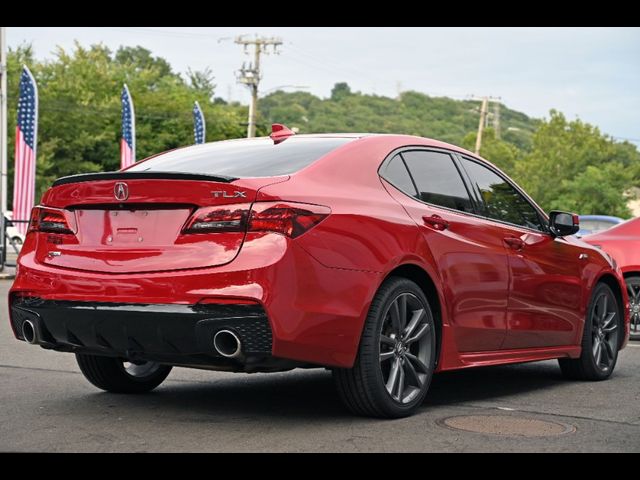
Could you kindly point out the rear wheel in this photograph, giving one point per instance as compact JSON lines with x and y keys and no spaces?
{"x":396,"y":358}
{"x":633,"y":289}
{"x":118,"y":376}
{"x":600,"y":339}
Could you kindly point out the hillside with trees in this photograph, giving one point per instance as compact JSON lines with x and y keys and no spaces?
{"x":562,"y":163}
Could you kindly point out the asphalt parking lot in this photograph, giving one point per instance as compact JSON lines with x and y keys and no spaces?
{"x":47,"y":405}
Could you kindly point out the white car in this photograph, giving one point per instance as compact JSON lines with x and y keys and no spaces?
{"x":14,"y":237}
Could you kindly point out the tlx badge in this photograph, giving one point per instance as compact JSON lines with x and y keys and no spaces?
{"x":234,"y":194}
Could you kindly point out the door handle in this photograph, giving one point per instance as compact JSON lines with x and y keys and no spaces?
{"x":436,"y":222}
{"x":514,"y":242}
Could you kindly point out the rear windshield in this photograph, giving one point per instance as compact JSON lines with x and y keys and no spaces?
{"x":255,"y":157}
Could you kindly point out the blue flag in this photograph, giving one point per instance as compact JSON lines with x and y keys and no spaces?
{"x":199,"y":126}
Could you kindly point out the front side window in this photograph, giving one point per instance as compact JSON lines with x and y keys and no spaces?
{"x":501,"y":200}
{"x":437,"y":179}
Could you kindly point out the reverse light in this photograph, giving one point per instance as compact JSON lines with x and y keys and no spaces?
{"x":51,"y":220}
{"x":287,"y":218}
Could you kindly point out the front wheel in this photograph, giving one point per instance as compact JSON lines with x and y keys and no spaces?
{"x":119,"y":376}
{"x":600,"y":339}
{"x":396,"y":358}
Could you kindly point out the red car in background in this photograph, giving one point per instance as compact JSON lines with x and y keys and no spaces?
{"x":385,"y":258}
{"x":622,"y":242}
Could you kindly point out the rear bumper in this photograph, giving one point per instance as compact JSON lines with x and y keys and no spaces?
{"x":315,"y":314}
{"x":176,"y":334}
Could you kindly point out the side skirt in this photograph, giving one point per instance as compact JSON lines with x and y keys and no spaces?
{"x":504,"y":357}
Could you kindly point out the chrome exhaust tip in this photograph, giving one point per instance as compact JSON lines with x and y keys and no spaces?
{"x":29,"y":332}
{"x":227,"y":344}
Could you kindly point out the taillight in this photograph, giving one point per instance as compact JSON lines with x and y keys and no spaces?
{"x":230,"y":218}
{"x":52,"y":220}
{"x":287,"y":218}
{"x":290,"y":219}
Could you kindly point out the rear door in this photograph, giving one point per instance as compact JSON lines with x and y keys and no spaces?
{"x":470,"y":255}
{"x":545,"y":289}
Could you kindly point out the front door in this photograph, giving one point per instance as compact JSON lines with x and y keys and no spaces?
{"x":545,"y":286}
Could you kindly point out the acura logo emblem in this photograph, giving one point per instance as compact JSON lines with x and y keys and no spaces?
{"x":121,"y":191}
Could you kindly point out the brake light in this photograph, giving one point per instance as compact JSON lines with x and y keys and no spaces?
{"x":290,"y":219}
{"x":52,"y":220}
{"x":231,"y":218}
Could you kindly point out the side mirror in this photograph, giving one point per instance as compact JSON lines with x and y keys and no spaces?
{"x":562,"y":224}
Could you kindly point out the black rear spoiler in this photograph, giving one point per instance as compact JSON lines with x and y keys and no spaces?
{"x":92,"y":177}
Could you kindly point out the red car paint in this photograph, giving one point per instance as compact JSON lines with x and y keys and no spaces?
{"x":503,"y":294}
{"x":622,"y":242}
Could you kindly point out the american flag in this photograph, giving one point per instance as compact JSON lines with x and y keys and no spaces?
{"x":128,"y":140}
{"x":24,"y":184}
{"x":199,"y":127}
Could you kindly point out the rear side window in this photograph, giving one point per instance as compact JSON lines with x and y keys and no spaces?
{"x":255,"y":157}
{"x":437,"y":179}
{"x":501,"y":200}
{"x":396,"y":174}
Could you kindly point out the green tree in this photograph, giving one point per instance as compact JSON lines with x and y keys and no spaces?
{"x":140,"y":58}
{"x":571,"y":161}
{"x":340,"y":91}
{"x":502,"y":154}
{"x":79,"y":121}
{"x":412,"y":113}
{"x":202,"y":81}
{"x":596,"y":190}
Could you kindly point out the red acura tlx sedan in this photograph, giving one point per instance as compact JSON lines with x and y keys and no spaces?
{"x":385,"y":258}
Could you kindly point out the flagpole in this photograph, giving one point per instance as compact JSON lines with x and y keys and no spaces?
{"x":3,"y":139}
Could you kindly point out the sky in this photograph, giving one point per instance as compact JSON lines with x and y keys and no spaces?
{"x":587,"y":73}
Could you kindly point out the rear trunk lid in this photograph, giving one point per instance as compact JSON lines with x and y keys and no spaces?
{"x":133,"y":222}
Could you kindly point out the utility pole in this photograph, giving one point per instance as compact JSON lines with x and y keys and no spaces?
{"x":250,"y":74}
{"x":483,"y":118}
{"x":484,"y":113}
{"x":3,"y":141}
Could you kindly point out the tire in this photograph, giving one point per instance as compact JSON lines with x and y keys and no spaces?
{"x":411,"y":354}
{"x":17,"y":241}
{"x":113,"y":374}
{"x":602,"y":326}
{"x":633,"y":289}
